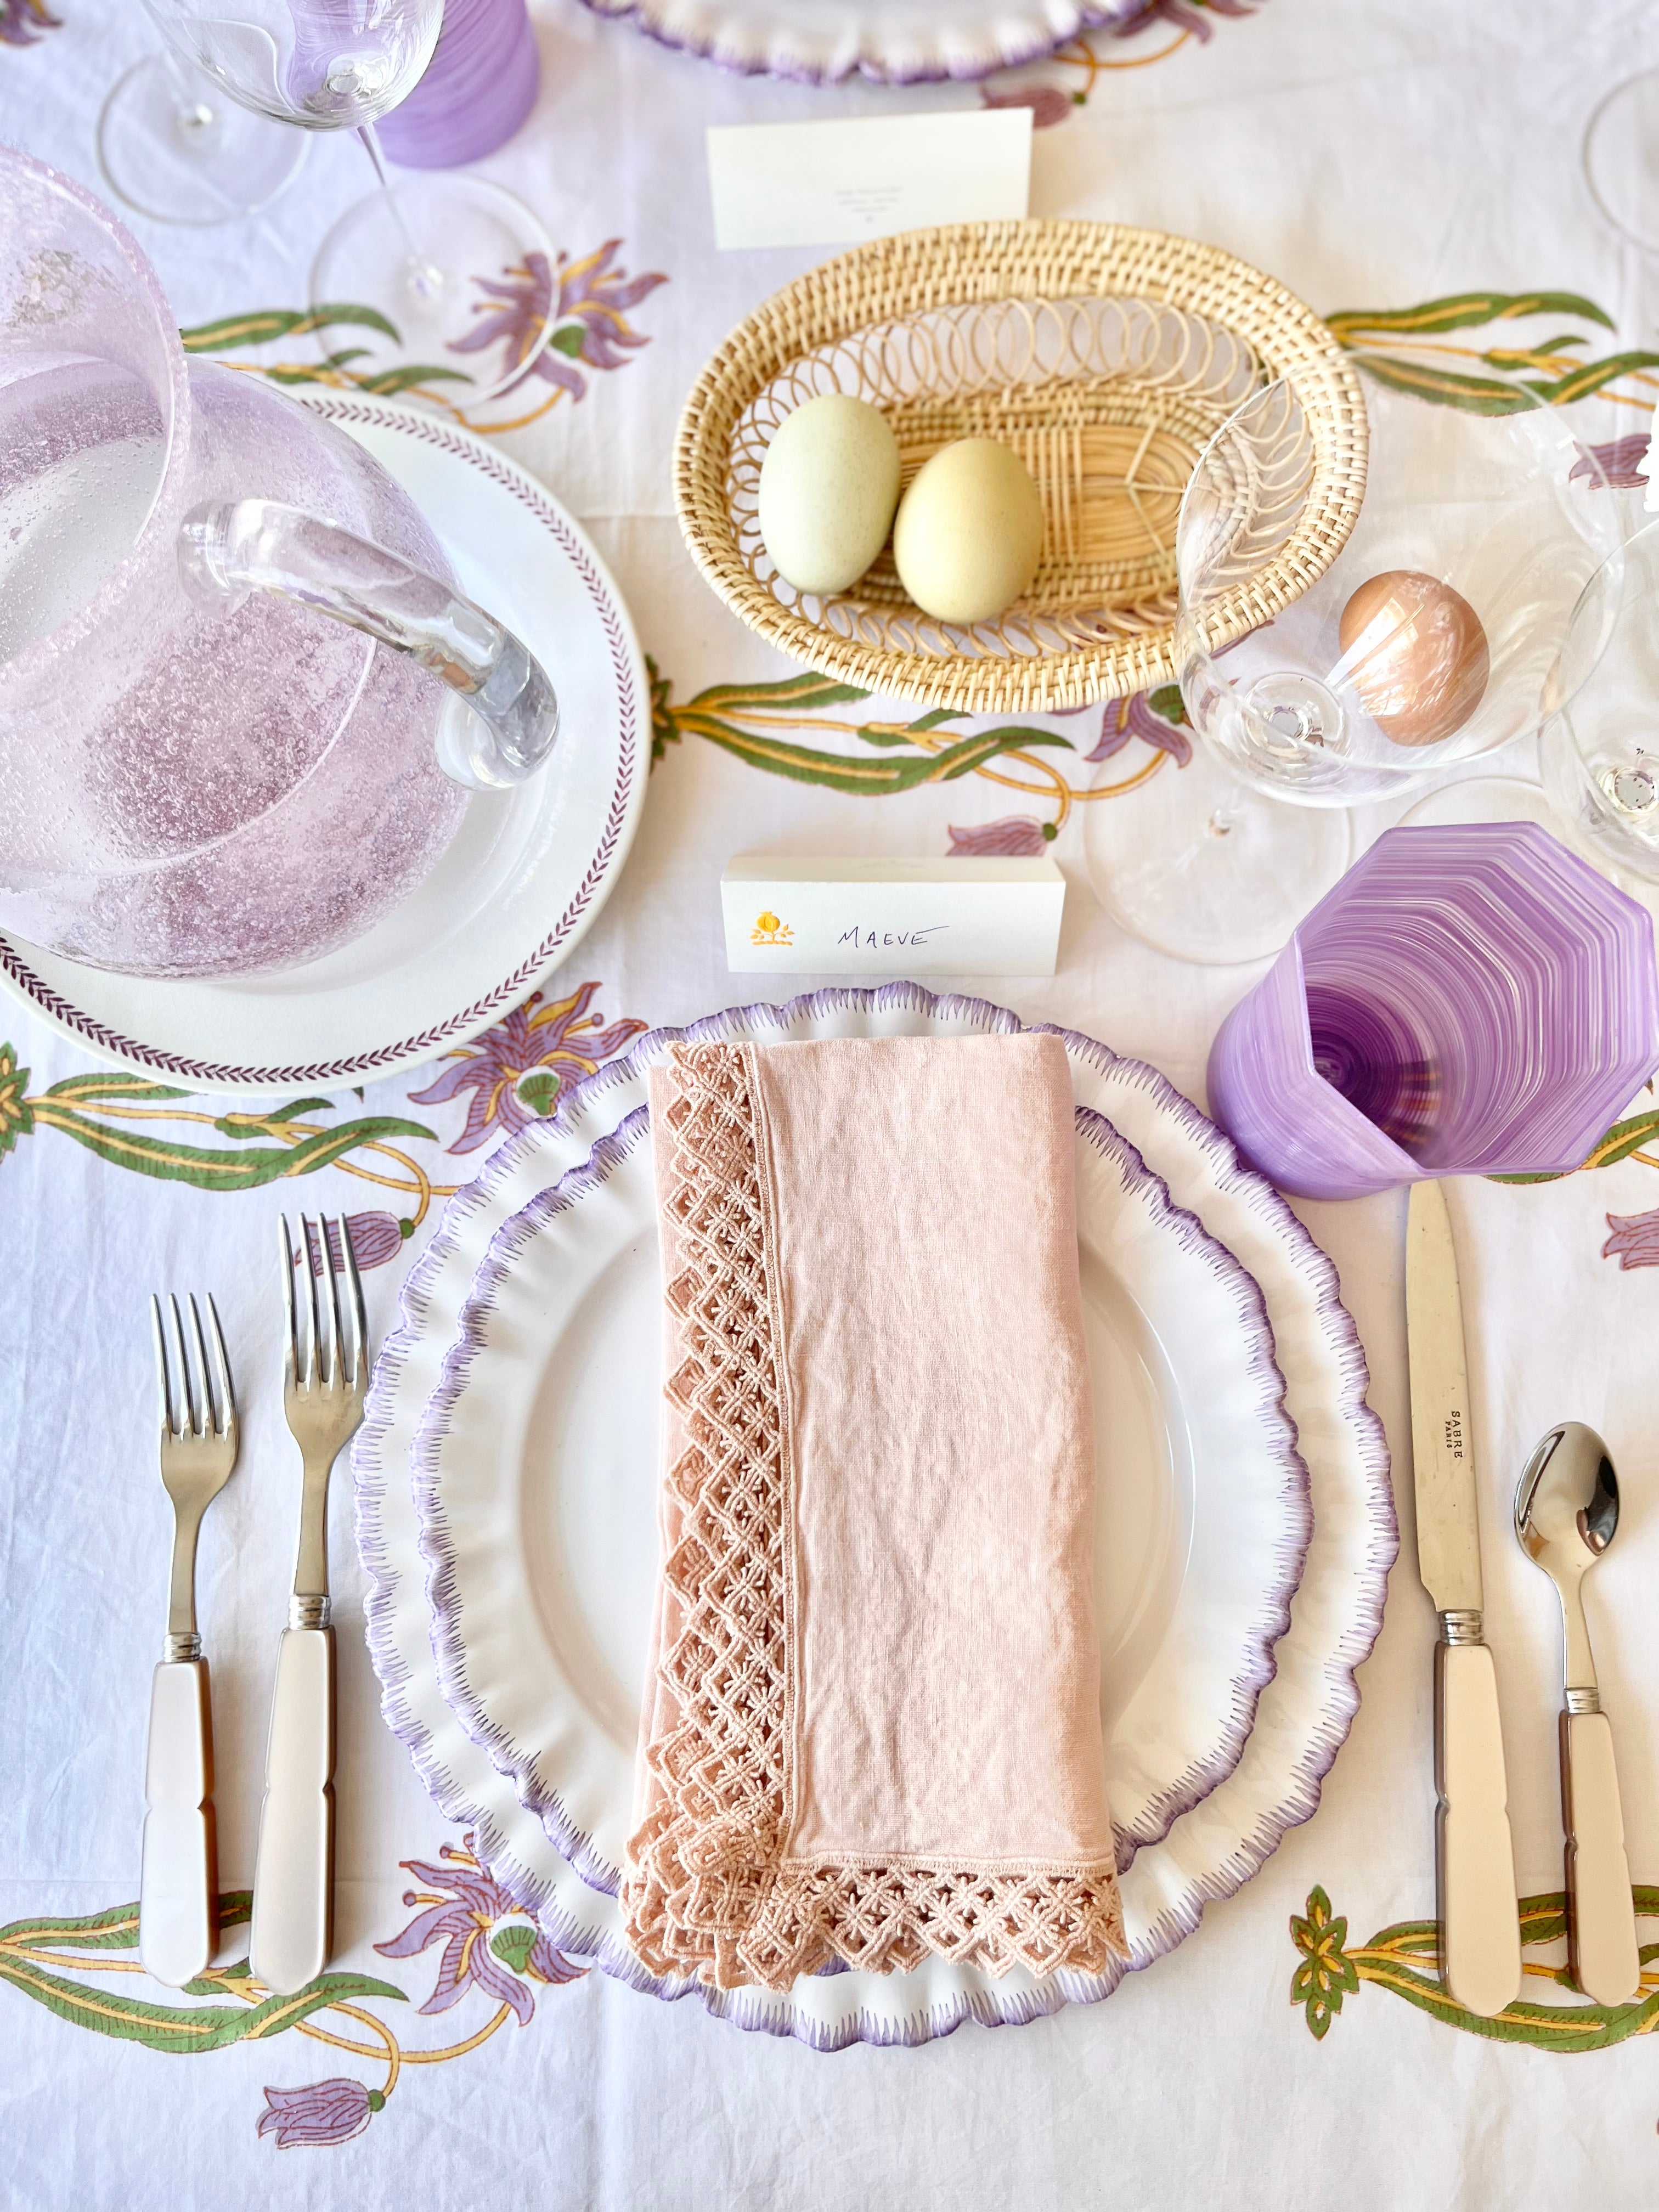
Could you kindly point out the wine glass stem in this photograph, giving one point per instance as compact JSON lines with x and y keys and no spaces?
{"x":194,"y":115}
{"x":424,"y":276}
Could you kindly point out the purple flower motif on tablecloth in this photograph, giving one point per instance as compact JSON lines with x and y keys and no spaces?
{"x":1186,"y":16}
{"x":376,"y":1237}
{"x":1015,"y":837}
{"x":586,"y":301}
{"x":322,"y":2112}
{"x":1047,"y":103}
{"x":1634,"y":1241}
{"x":22,"y":22}
{"x":462,"y":1903}
{"x":516,"y":1070}
{"x":1156,"y":717}
{"x":1616,"y":467}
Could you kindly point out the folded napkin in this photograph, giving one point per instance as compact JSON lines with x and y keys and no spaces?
{"x":871,"y":1723}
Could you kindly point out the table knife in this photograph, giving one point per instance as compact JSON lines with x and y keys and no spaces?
{"x":1475,"y":1857}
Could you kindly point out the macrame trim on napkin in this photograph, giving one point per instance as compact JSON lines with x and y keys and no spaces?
{"x":710,"y":1888}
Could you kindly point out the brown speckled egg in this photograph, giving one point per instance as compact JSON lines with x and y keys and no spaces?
{"x":1418,"y":655}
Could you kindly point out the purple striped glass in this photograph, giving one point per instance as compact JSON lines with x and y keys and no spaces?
{"x":478,"y":88}
{"x":1473,"y":999}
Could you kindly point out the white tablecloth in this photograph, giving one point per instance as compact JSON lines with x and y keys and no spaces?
{"x":1376,"y":154}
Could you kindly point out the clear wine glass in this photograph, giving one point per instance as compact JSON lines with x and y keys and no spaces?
{"x":171,"y":146}
{"x":1600,"y":750}
{"x":1621,"y":158}
{"x":413,"y":252}
{"x":1427,"y":639}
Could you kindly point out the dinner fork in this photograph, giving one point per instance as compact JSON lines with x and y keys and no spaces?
{"x":179,"y":1887}
{"x":324,"y":1379}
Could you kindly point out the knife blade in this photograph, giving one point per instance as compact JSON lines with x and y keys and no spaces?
{"x":1474,"y":1857}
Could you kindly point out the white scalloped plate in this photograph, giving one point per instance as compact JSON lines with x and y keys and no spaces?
{"x":1301,"y":1715}
{"x":886,"y":41}
{"x":537,"y":1470}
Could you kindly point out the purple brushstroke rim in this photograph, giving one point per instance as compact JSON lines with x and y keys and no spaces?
{"x":749,"y":2009}
{"x":762,"y":60}
{"x":438,"y":1547}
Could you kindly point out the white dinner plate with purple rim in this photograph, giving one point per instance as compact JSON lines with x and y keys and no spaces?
{"x":524,"y":877}
{"x":890,"y":42}
{"x":1303,"y":1713}
{"x":536,"y":1477}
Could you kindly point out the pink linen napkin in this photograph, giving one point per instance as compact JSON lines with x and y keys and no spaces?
{"x":872,"y":1728}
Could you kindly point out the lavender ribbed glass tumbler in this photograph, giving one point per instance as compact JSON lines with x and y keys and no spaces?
{"x":479,"y":86}
{"x":1471,"y":1000}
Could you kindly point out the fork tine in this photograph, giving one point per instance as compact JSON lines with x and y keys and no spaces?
{"x":162,"y":1383}
{"x":360,"y":1322}
{"x":221,"y":1372}
{"x":313,"y":1373}
{"x":291,"y":1355}
{"x":208,"y":1412}
{"x":186,"y":1385}
{"x":329,"y":1297}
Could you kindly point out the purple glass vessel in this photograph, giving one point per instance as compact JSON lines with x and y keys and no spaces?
{"x":1471,"y":1000}
{"x":478,"y":88}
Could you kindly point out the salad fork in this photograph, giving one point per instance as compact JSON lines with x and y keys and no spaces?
{"x":178,"y":1888}
{"x":324,"y":1380}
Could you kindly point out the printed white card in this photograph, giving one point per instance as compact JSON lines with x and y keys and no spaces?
{"x":839,"y":182}
{"x":884,"y":919}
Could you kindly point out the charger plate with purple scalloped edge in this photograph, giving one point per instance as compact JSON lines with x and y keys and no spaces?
{"x":893,"y":42}
{"x":1297,"y":1707}
{"x":524,"y":877}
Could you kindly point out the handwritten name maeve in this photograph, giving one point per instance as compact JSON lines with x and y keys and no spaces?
{"x":869,"y":940}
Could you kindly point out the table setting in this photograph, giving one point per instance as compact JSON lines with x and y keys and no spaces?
{"x":827,"y":1014}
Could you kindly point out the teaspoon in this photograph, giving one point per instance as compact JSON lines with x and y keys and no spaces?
{"x":1566,"y":1512}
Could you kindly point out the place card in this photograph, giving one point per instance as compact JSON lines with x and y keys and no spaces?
{"x":884,"y":918}
{"x":856,"y":177}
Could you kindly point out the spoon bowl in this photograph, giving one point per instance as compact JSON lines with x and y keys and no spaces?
{"x":1566,"y":1504}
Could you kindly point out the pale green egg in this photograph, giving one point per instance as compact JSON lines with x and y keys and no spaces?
{"x":828,"y":485}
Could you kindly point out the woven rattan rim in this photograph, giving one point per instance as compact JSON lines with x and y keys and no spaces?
{"x":893,"y":279}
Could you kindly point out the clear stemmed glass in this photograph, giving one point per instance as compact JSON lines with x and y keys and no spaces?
{"x":413,"y":252}
{"x":1621,"y":158}
{"x":1427,"y":639}
{"x":1600,"y":750}
{"x":175,"y":149}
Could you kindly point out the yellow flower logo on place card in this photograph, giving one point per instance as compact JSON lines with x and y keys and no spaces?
{"x":768,"y":930}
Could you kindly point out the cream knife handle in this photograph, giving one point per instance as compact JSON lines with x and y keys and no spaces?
{"x":1480,"y":1922}
{"x":179,"y":1887}
{"x":1602,"y":1951}
{"x":293,"y":1873}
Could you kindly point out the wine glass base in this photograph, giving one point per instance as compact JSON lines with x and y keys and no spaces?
{"x":184,"y":152}
{"x":1198,"y":865}
{"x":1621,"y":159}
{"x":418,"y":254}
{"x":1485,"y":799}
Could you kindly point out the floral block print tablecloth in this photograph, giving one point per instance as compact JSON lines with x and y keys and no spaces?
{"x":1412,"y":172}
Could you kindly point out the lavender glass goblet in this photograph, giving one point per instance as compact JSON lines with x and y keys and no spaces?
{"x":1469,"y":999}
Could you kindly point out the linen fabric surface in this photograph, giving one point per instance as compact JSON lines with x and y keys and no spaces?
{"x":871,"y":1726}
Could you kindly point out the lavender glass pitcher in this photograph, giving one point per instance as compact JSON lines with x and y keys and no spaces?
{"x":241,"y":697}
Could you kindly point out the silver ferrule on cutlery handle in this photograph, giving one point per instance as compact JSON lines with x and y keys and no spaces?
{"x":178,"y":1885}
{"x":1480,"y":1927}
{"x":309,"y":1607}
{"x":294,"y":1874}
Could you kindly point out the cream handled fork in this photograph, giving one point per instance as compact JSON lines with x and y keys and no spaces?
{"x":178,"y":1888}
{"x":325,"y":1375}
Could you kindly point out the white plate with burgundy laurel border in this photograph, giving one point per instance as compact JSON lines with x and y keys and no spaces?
{"x":560,"y":1512}
{"x":892,"y":42}
{"x":524,"y":877}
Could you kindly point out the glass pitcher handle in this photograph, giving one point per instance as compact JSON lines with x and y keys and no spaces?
{"x":501,"y":722}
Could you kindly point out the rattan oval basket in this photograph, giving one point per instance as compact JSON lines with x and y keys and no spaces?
{"x":1107,"y":357}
